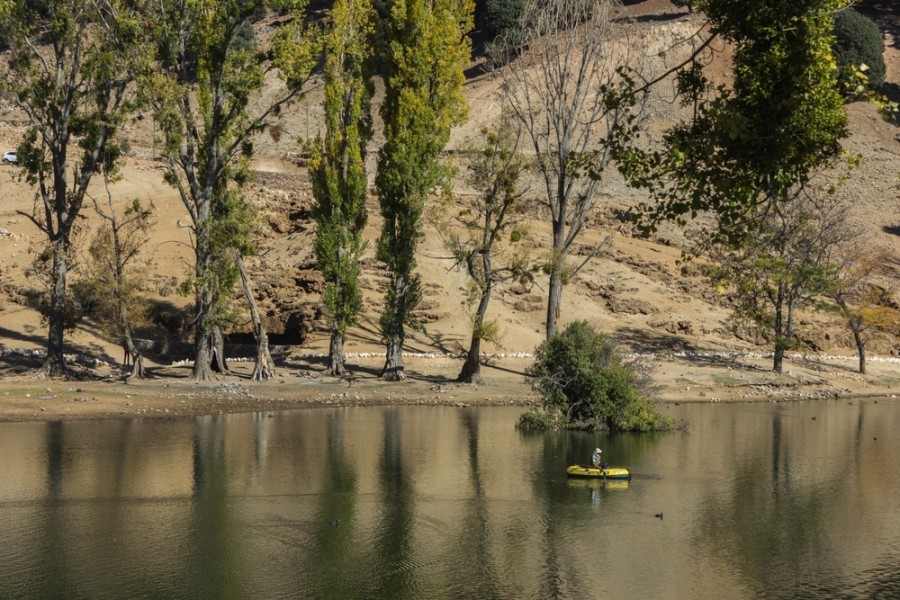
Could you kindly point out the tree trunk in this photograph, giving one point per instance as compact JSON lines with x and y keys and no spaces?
{"x":55,"y":364}
{"x":471,"y":369}
{"x":218,"y":363}
{"x":393,"y":365}
{"x":202,"y":359}
{"x":131,"y":349}
{"x":860,"y":345}
{"x":784,"y":335}
{"x":855,"y":324}
{"x":336,"y":366}
{"x":778,"y":357}
{"x":394,"y":333}
{"x":202,"y":351}
{"x":264,"y":368}
{"x":778,"y":360}
{"x":554,"y":302}
{"x":137,"y":368}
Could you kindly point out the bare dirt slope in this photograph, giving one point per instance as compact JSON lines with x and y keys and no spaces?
{"x":635,"y":291}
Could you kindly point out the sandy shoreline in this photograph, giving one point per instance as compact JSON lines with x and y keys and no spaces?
{"x":699,"y":377}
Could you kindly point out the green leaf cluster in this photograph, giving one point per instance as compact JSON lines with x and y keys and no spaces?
{"x":763,"y":138}
{"x":858,"y":42}
{"x":337,"y":164}
{"x":498,"y":18}
{"x":427,"y":50}
{"x":586,"y":383}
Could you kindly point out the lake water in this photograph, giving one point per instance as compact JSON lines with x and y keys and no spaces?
{"x":790,"y":500}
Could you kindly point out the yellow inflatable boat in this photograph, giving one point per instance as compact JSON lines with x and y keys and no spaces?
{"x":608,"y":473}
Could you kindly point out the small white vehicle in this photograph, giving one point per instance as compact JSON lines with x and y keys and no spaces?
{"x":10,"y":157}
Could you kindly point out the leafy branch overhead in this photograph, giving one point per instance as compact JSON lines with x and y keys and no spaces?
{"x":759,"y":140}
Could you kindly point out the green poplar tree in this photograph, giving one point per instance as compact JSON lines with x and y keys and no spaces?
{"x":337,"y":168}
{"x":211,"y":71}
{"x":69,"y":69}
{"x":427,"y":49}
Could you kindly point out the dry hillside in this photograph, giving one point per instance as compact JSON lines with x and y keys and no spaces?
{"x":635,"y":291}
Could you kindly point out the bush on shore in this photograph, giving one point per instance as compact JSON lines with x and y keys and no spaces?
{"x":586,"y":384}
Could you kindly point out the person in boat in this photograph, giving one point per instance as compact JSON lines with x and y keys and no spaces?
{"x":597,"y":459}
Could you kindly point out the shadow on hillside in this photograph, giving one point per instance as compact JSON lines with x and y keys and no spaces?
{"x":883,"y":12}
{"x":39,"y":337}
{"x":366,"y":331}
{"x":892,"y":268}
{"x":651,"y":341}
{"x":654,"y":18}
{"x":816,"y":364}
{"x":477,"y":70}
{"x":19,"y":364}
{"x":92,"y":350}
{"x":486,"y":364}
{"x":440,"y":343}
{"x":318,"y":364}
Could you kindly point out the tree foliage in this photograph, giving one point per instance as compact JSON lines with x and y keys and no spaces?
{"x":498,"y":18}
{"x":759,"y":141}
{"x":861,"y":295}
{"x":586,"y":383}
{"x":116,"y":281}
{"x":204,"y":93}
{"x":858,"y":42}
{"x":427,"y":49}
{"x":790,"y":261}
{"x":337,"y":167}
{"x":70,"y":64}
{"x":483,"y":233}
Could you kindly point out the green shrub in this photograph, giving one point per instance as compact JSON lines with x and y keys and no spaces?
{"x":498,"y":17}
{"x":585,"y":383}
{"x":858,"y":41}
{"x":537,"y":420}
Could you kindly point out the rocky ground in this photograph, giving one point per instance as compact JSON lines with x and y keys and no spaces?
{"x":676,"y":377}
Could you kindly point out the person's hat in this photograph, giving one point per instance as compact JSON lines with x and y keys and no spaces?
{"x":598,"y":451}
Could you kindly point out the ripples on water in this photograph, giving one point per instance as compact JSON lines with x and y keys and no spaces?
{"x":751,"y":501}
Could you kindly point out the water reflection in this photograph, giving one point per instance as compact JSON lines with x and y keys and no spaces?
{"x":795,"y":500}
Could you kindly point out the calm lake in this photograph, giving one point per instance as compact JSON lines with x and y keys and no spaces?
{"x":788,"y":500}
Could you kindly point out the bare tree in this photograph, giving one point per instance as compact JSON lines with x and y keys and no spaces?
{"x":568,"y":87}
{"x":862,"y":295}
{"x":475,"y":233}
{"x":117,"y":285}
{"x":788,"y":262}
{"x":265,"y":366}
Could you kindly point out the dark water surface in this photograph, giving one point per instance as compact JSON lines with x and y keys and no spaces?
{"x":792,"y":500}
